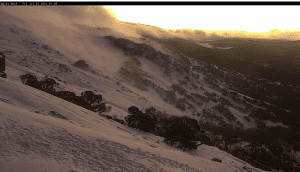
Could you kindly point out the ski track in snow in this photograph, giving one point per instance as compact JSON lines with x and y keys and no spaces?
{"x":89,"y":154}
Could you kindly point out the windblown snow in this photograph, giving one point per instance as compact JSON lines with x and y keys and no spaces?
{"x":33,"y":135}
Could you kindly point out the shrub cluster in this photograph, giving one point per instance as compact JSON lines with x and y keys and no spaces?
{"x":225,"y":101}
{"x":137,"y":49}
{"x":240,"y":124}
{"x":195,"y":86}
{"x":212,"y":96}
{"x":247,"y":118}
{"x":64,"y":68}
{"x":262,"y":114}
{"x":224,"y":91}
{"x":225,"y":111}
{"x":198,"y":96}
{"x":195,"y":76}
{"x":132,"y":71}
{"x":176,"y":130}
{"x":46,"y":85}
{"x":88,"y":99}
{"x":170,"y":96}
{"x":140,"y":120}
{"x":187,"y":78}
{"x":121,"y":121}
{"x":209,"y":114}
{"x":221,"y":107}
{"x":182,"y":82}
{"x":217,"y":160}
{"x":180,"y":104}
{"x":81,"y":64}
{"x":178,"y":88}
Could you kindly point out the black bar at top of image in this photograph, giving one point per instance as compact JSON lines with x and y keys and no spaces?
{"x":177,"y":3}
{"x":53,"y":3}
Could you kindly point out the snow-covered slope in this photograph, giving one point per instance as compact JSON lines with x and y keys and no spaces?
{"x":33,"y":137}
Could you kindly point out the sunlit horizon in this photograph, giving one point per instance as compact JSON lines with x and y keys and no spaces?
{"x":257,"y":21}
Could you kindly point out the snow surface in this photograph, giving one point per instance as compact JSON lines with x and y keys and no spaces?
{"x":34,"y":139}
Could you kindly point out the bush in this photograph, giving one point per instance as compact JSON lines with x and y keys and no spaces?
{"x":247,"y":118}
{"x":126,"y":74}
{"x":180,"y":104}
{"x":195,"y":86}
{"x":47,"y":85}
{"x":171,"y":96}
{"x":139,"y":120}
{"x":260,"y":123}
{"x":217,"y":160}
{"x":132,"y":61}
{"x":90,"y":97}
{"x":67,"y":95}
{"x":182,"y":130}
{"x":87,"y":100}
{"x":200,"y":97}
{"x":30,"y":80}
{"x":260,"y":114}
{"x":225,"y":101}
{"x":81,"y":64}
{"x":220,"y":107}
{"x":64,"y":68}
{"x":107,"y":116}
{"x":182,"y":82}
{"x":178,"y":88}
{"x":187,"y":78}
{"x":121,"y":121}
{"x":227,"y":113}
{"x":224,"y":92}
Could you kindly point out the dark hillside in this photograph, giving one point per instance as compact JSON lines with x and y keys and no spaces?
{"x":276,"y":61}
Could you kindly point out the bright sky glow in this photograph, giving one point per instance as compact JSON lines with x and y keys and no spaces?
{"x":248,"y":18}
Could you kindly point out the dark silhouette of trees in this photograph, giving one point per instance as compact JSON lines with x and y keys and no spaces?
{"x":81,"y":64}
{"x":2,"y":65}
{"x":182,"y":130}
{"x":140,"y":120}
{"x":67,"y":95}
{"x":88,"y":99}
{"x":47,"y":85}
{"x":180,"y":104}
{"x":30,"y":80}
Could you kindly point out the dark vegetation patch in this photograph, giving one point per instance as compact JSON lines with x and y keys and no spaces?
{"x":88,"y":99}
{"x":64,"y":68}
{"x":279,"y":157}
{"x":225,"y":111}
{"x":132,"y":71}
{"x":230,"y":59}
{"x":200,"y":97}
{"x":176,"y":130}
{"x":4,"y":100}
{"x":217,"y":160}
{"x":81,"y":64}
